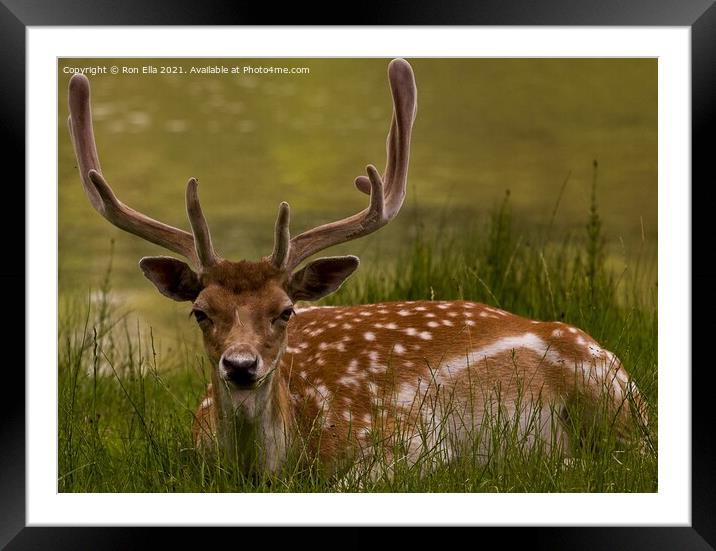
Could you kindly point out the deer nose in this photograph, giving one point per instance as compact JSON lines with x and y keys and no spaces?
{"x":240,"y":369}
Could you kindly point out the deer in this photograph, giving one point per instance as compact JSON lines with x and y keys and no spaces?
{"x":327,"y":379}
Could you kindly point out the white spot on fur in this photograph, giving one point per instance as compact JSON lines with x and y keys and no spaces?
{"x":581,"y":341}
{"x":471,"y":323}
{"x":433,"y":324}
{"x":399,"y":349}
{"x":348,"y":381}
{"x":403,"y":313}
{"x":529,"y":341}
{"x":443,"y":306}
{"x":322,"y":389}
{"x":347,"y":326}
{"x":369,"y":336}
{"x":572,"y":330}
{"x":291,"y":350}
{"x":452,"y":314}
{"x":406,"y":394}
{"x":352,"y":366}
{"x":411,"y":331}
{"x":375,"y":368}
{"x":448,"y":323}
{"x":420,"y":308}
{"x":206,"y":402}
{"x":557,"y":333}
{"x":429,"y":315}
{"x":426,"y":335}
{"x":391,"y":325}
{"x":596,"y":351}
{"x":306,"y":309}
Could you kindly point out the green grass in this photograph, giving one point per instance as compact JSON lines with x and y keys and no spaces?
{"x":125,"y":409}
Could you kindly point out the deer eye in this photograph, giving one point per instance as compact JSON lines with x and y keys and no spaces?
{"x":286,"y":314}
{"x":200,"y":316}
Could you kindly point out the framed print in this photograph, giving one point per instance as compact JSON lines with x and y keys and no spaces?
{"x":531,"y":210}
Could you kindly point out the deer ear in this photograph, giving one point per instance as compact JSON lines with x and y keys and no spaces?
{"x":321,"y":277}
{"x":174,"y":278}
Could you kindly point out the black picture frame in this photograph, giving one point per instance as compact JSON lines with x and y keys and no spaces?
{"x":699,"y":15}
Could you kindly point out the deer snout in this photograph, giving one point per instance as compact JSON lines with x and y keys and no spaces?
{"x":240,"y":367}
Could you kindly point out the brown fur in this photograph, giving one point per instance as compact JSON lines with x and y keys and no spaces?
{"x":344,"y":369}
{"x":243,"y":276}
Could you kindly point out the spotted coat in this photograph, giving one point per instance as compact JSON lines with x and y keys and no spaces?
{"x":430,"y":372}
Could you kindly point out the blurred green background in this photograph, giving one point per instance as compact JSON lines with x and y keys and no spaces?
{"x":484,"y":126}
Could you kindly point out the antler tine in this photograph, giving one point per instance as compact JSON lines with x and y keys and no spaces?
{"x":100,"y":193}
{"x":202,"y":236}
{"x":387,"y":194}
{"x":281,"y":244}
{"x":404,"y":91}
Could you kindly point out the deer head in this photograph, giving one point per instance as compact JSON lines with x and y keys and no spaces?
{"x":244,"y":308}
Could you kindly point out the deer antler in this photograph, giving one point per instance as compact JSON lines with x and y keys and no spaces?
{"x":196,"y":248}
{"x":386,"y":194}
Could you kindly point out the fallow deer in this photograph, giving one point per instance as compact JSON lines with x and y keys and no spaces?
{"x":327,"y":379}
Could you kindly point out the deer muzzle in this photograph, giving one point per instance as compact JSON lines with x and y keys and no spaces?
{"x":240,"y":366}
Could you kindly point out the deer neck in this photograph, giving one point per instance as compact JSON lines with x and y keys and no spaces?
{"x":255,"y":426}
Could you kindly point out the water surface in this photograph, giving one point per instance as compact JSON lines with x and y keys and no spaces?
{"x":483,"y":126}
